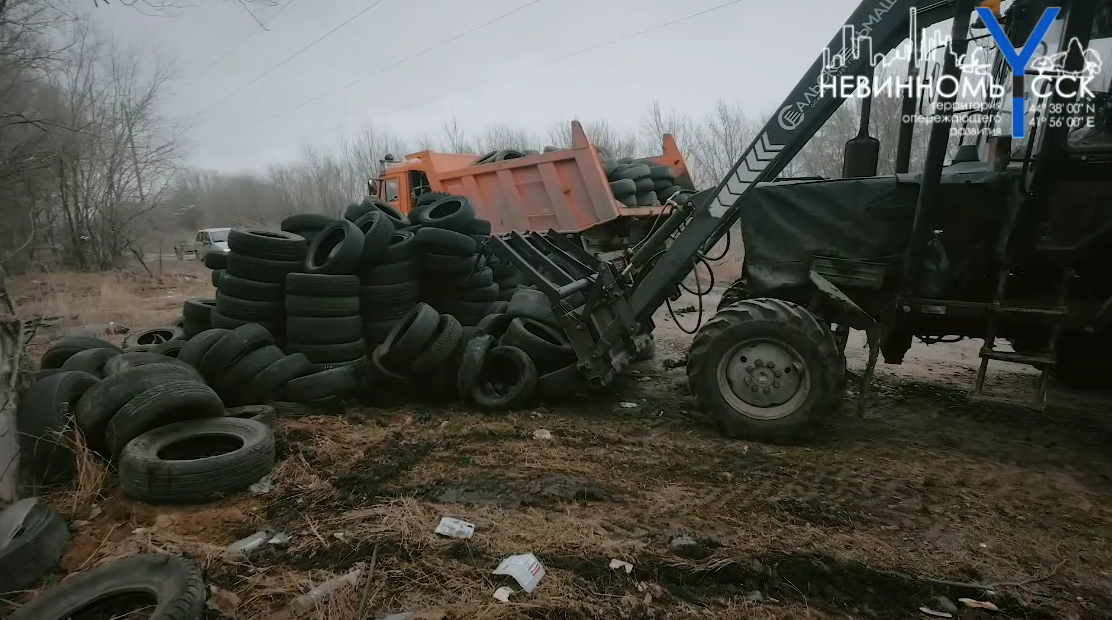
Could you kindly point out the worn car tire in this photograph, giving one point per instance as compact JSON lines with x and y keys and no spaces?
{"x":322,"y":285}
{"x":44,"y":420}
{"x":471,"y":363}
{"x":197,"y":346}
{"x":61,"y":351}
{"x":99,"y":404}
{"x":320,"y":385}
{"x":245,"y":453}
{"x":508,"y":380}
{"x":91,"y":361}
{"x":232,"y":383}
{"x":216,"y":261}
{"x":174,"y":581}
{"x":412,"y":333}
{"x":232,"y":347}
{"x":170,"y":348}
{"x":301,"y":223}
{"x":377,"y":230}
{"x":321,"y":307}
{"x":336,"y":250}
{"x":252,"y":290}
{"x":168,"y":403}
{"x":153,"y":335}
{"x":33,"y":553}
{"x":546,"y":345}
{"x":453,"y":213}
{"x":258,"y":413}
{"x":273,"y":379}
{"x":267,"y":244}
{"x":130,"y":359}
{"x":445,"y":242}
{"x":443,"y":343}
{"x":260,"y":269}
{"x":532,"y":304}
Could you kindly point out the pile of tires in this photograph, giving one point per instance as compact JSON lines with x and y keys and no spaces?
{"x":453,"y":272}
{"x":643,"y":183}
{"x":514,"y":354}
{"x":387,"y":271}
{"x":188,"y":420}
{"x":252,"y":289}
{"x":324,"y":322}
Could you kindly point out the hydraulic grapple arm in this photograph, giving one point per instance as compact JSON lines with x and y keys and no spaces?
{"x":602,"y":308}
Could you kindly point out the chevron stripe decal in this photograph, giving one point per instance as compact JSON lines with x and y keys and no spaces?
{"x":758,"y":158}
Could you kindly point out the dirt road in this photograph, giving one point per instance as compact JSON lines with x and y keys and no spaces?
{"x":921,"y":487}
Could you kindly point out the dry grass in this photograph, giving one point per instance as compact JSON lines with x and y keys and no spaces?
{"x":125,"y":298}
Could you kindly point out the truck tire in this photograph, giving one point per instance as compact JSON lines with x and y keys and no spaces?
{"x":736,"y":292}
{"x":791,"y":362}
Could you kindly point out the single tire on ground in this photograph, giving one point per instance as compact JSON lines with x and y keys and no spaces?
{"x":40,"y":540}
{"x":152,"y":336}
{"x":161,"y":587}
{"x":767,"y":370}
{"x":258,"y":413}
{"x":196,"y":460}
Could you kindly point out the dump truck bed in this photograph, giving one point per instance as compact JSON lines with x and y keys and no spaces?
{"x":564,"y":190}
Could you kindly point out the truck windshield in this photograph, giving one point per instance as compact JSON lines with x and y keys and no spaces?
{"x":219,"y":236}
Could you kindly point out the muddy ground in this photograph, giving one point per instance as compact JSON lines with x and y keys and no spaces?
{"x":921,"y":487}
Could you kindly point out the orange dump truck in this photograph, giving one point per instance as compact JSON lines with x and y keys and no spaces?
{"x":566,"y":190}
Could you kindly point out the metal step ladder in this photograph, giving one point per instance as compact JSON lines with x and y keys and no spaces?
{"x":1044,"y":360}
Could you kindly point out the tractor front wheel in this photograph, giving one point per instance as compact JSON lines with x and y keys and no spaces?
{"x":766,"y":370}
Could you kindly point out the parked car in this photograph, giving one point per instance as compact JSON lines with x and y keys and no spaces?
{"x":205,"y":241}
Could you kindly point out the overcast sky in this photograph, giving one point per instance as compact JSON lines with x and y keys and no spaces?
{"x":751,"y":52}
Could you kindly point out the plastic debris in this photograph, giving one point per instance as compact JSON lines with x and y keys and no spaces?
{"x":307,"y":601}
{"x":525,"y":568}
{"x":263,"y":486}
{"x":95,"y":512}
{"x":542,"y":433}
{"x":617,"y":564}
{"x":625,"y":404}
{"x":455,"y":528}
{"x":935,"y":613}
{"x":224,"y":602}
{"x":281,"y":538}
{"x":241,"y":548}
{"x":975,"y":604}
{"x":504,"y":593}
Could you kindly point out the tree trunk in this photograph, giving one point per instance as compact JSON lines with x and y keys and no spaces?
{"x":11,"y":349}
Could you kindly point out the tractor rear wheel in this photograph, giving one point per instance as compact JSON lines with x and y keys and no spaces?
{"x":766,"y":370}
{"x":734,"y":293}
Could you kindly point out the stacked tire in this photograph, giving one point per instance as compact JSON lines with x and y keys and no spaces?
{"x":454,"y":276}
{"x":324,"y":322}
{"x":388,"y":287}
{"x":643,"y":183}
{"x":252,"y":290}
{"x":306,"y":225}
{"x":422,"y":351}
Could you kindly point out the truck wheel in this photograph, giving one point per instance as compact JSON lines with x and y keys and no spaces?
{"x":766,"y":370}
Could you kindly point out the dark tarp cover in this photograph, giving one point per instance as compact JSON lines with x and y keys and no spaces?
{"x":786,"y":224}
